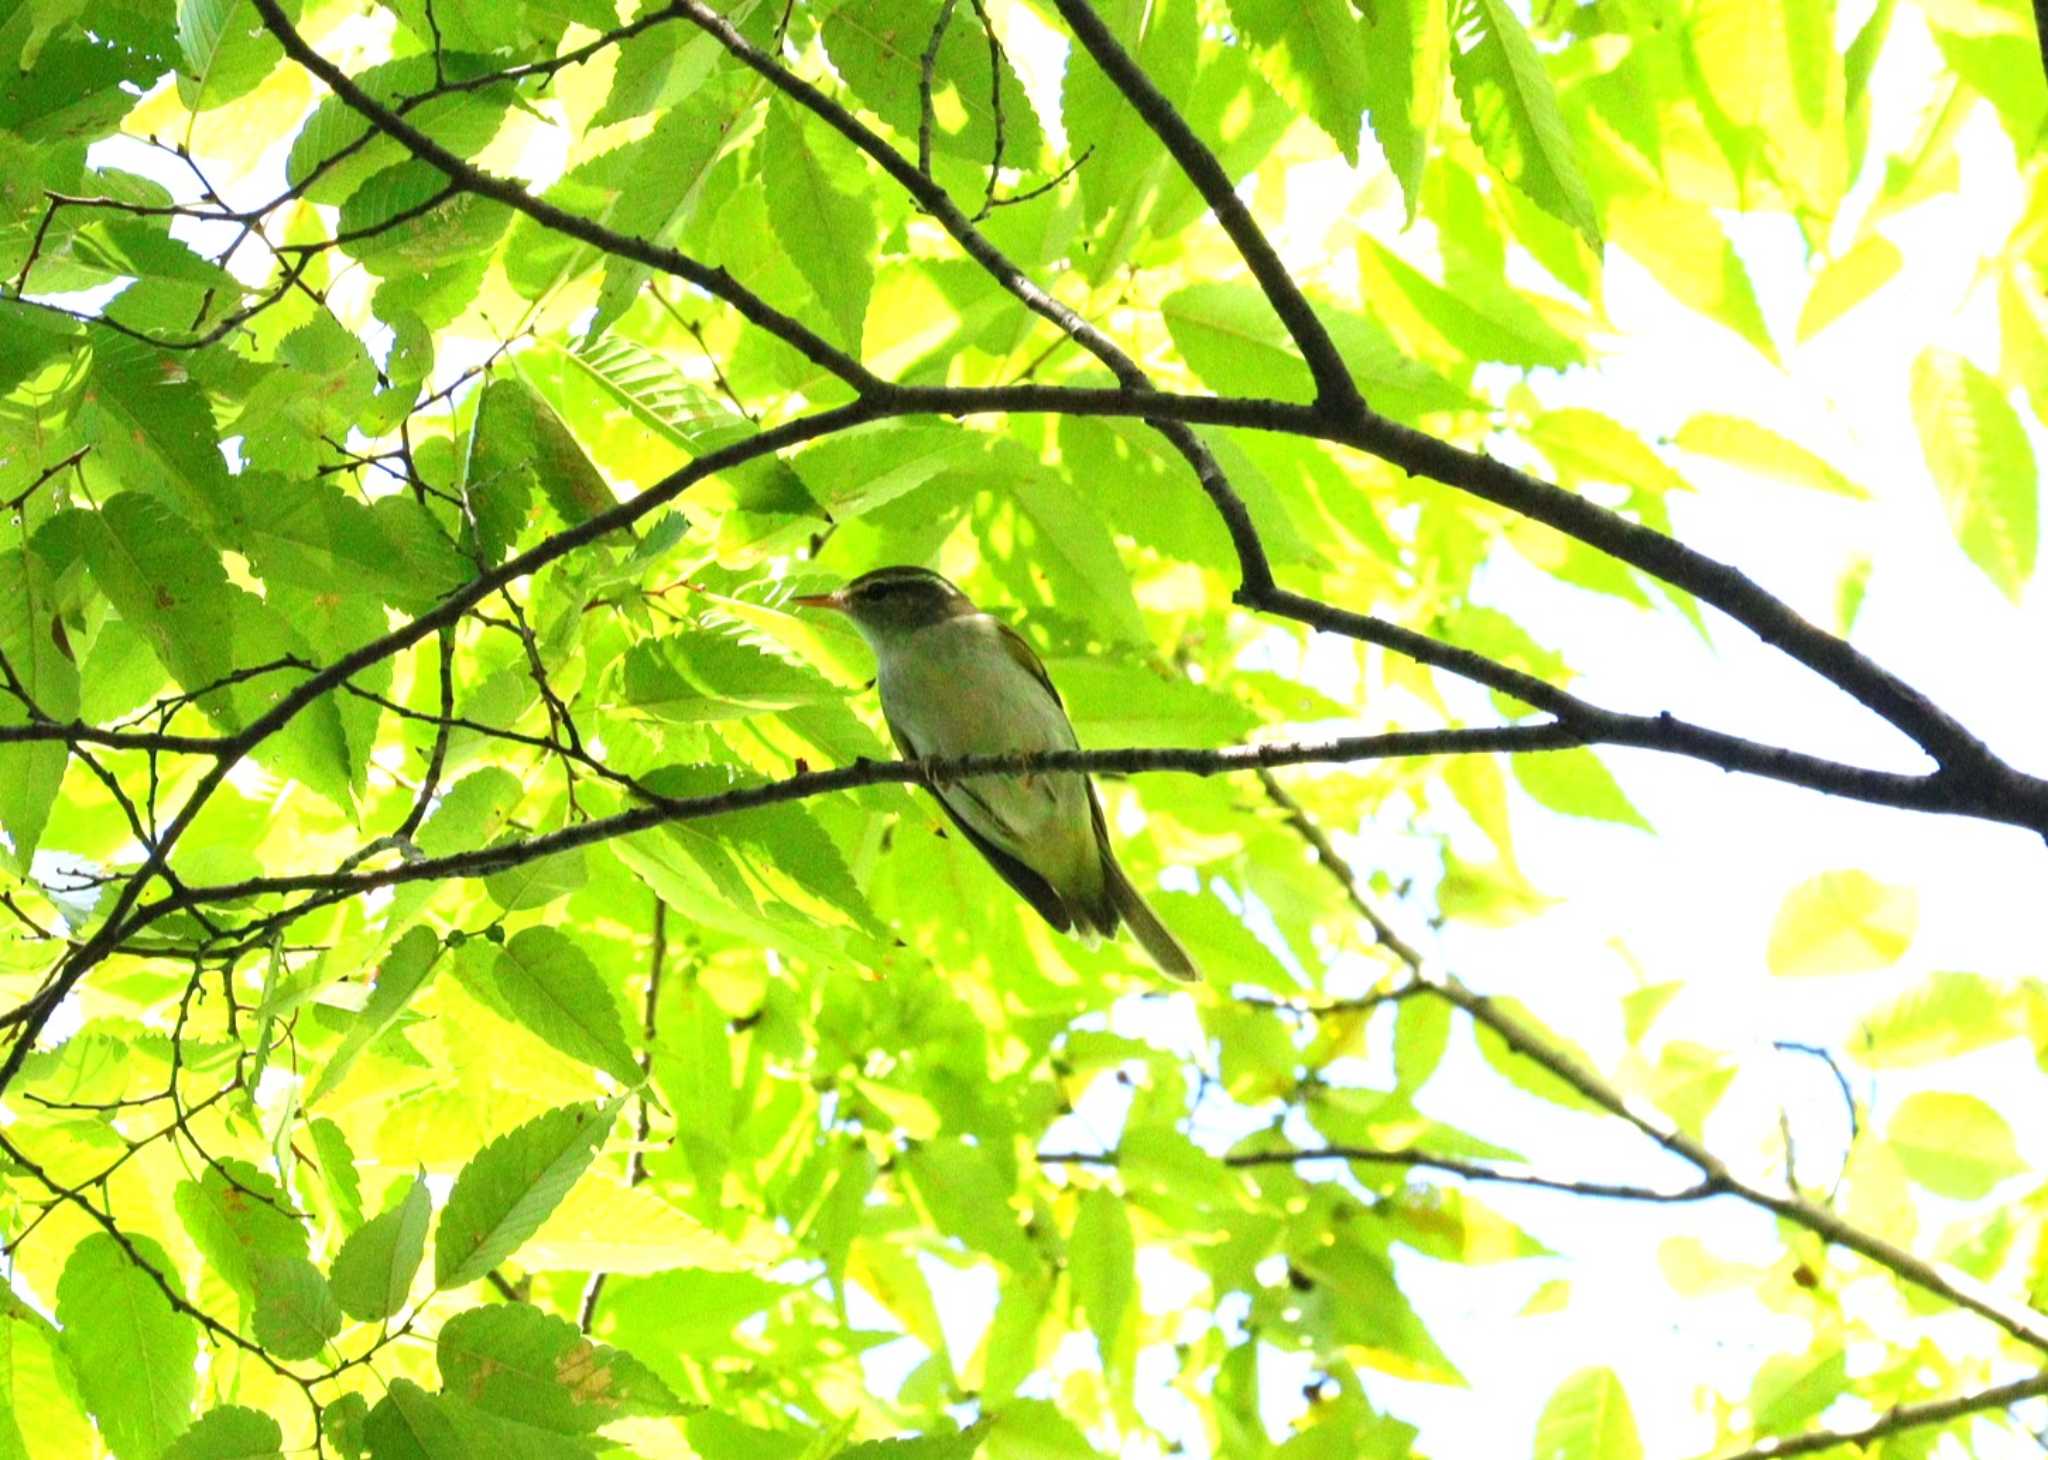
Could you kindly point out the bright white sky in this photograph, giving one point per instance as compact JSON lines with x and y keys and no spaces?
{"x":1695,"y":902}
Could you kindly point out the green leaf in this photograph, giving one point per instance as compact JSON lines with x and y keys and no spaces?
{"x":516,"y":441}
{"x":1422,"y":1032}
{"x":1842,"y":922}
{"x":406,"y":220}
{"x":1577,"y":783}
{"x":1115,"y":703}
{"x":968,"y":1196}
{"x":1455,"y":1226}
{"x":612,"y":189}
{"x":1127,"y":161}
{"x":1102,"y":1263}
{"x":829,"y":233}
{"x":332,"y":142}
{"x":602,"y":1226}
{"x":958,"y":1445}
{"x":227,"y":50}
{"x":1743,"y":443}
{"x":31,"y":644}
{"x":295,"y":1313}
{"x":662,"y":399}
{"x":1982,"y":465}
{"x":1451,"y":326}
{"x":373,"y":1271}
{"x":1686,"y":249}
{"x":472,"y":812}
{"x":1314,"y":53}
{"x":515,"y":1361}
{"x":38,"y":1389}
{"x":2004,"y":67}
{"x":343,"y":1423}
{"x":322,"y":389}
{"x":132,"y":1351}
{"x":877,"y":46}
{"x":151,"y":424}
{"x":404,"y":973}
{"x":1791,"y":1390}
{"x":1524,"y":1072}
{"x":1404,"y":104}
{"x":1356,"y":1301}
{"x":856,"y":472}
{"x":166,"y":581}
{"x":1948,"y":1014}
{"x":1074,"y":551}
{"x":538,"y":881}
{"x":1231,"y":338}
{"x":1588,"y":1418}
{"x":238,"y":1216}
{"x":1954,"y":1145}
{"x":1689,"y":1081}
{"x":503,"y":1195}
{"x":408,"y":1423}
{"x":700,"y":674}
{"x":79,"y":82}
{"x":553,"y":988}
{"x":337,"y":1167}
{"x":1849,"y":280}
{"x":1508,"y":102}
{"x":230,"y":1432}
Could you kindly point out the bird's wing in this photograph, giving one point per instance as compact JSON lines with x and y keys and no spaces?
{"x":1027,"y":658}
{"x":1033,"y":888}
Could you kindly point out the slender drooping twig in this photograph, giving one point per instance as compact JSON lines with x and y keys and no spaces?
{"x":1942,"y":1279}
{"x":1900,"y":1419}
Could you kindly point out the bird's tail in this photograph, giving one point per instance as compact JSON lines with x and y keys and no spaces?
{"x":1160,"y":945}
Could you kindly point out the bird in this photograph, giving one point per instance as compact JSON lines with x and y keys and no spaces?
{"x":957,"y":681}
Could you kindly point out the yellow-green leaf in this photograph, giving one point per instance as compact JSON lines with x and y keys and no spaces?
{"x":1954,"y":1145}
{"x":1576,"y":783}
{"x":1588,"y":1418}
{"x":1762,"y":451}
{"x":1982,"y":465}
{"x":1848,"y":281}
{"x":1842,"y":922}
{"x":1947,"y":1015}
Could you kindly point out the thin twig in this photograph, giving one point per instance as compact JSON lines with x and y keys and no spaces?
{"x":636,"y":1164}
{"x":1898,"y":1420}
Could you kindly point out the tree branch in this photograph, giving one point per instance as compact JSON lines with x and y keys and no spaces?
{"x":1336,"y":392}
{"x":1900,"y":1419}
{"x":1947,"y":1282}
{"x":1992,"y":784}
{"x":31,"y":1017}
{"x":1349,"y":419}
{"x":1410,"y":1157}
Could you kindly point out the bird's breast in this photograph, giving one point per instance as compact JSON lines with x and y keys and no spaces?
{"x":956,"y":690}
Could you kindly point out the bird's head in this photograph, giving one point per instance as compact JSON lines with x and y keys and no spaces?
{"x":891,"y":603}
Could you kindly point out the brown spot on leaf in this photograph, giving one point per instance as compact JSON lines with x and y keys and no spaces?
{"x":586,"y":1372}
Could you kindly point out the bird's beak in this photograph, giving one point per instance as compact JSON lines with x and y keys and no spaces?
{"x":835,"y":600}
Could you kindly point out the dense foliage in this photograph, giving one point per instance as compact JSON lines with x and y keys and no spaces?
{"x":472,"y":983}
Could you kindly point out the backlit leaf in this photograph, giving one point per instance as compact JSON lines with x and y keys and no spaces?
{"x":132,"y":1351}
{"x":502,"y":1196}
{"x":1842,"y":922}
{"x":1978,"y":455}
{"x":1588,"y":1418}
{"x":1954,"y":1145}
{"x":373,"y":1272}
